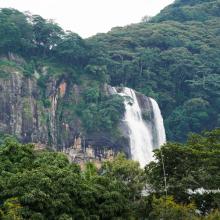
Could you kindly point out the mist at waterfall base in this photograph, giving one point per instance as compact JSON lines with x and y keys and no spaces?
{"x":144,"y":136}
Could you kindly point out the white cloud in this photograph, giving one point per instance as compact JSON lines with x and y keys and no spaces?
{"x":88,"y":17}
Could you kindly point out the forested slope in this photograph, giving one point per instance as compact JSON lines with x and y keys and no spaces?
{"x":51,"y":93}
{"x":174,"y":58}
{"x":53,"y":88}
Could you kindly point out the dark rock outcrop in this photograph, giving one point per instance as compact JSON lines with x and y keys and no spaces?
{"x":38,"y":115}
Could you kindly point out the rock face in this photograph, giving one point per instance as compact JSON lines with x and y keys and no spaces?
{"x":41,"y":118}
{"x":20,"y":111}
{"x":80,"y":153}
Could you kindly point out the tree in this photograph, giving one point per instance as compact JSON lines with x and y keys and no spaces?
{"x":167,"y":209}
{"x":46,"y":34}
{"x":11,"y":210}
{"x":72,"y":50}
{"x":15,"y":31}
{"x":191,"y":166}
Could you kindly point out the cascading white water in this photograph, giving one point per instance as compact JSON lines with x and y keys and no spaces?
{"x":140,"y":133}
{"x":158,"y":123}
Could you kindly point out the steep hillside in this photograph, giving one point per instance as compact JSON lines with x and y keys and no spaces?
{"x":59,"y":92}
{"x":175,"y":59}
{"x":190,"y":10}
{"x":51,"y":93}
{"x":54,"y":84}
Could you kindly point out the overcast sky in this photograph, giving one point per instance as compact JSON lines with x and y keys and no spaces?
{"x":88,"y":17}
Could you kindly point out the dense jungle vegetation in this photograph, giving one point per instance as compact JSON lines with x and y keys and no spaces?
{"x":173,"y":58}
{"x":42,"y":43}
{"x":45,"y":185}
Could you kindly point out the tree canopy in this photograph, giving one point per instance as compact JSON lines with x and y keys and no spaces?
{"x":41,"y":184}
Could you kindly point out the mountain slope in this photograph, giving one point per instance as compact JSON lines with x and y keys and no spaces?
{"x":173,"y":59}
{"x":190,"y":10}
{"x":51,"y":94}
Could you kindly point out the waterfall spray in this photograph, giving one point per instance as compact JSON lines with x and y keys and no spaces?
{"x":161,"y":138}
{"x":158,"y":123}
{"x":141,"y":134}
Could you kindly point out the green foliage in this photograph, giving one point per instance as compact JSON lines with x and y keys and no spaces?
{"x":47,"y":103}
{"x":97,"y":72}
{"x":128,"y":172}
{"x":187,"y":10}
{"x":167,"y":209}
{"x":91,"y":94}
{"x":32,"y":36}
{"x":45,"y":185}
{"x":11,"y":210}
{"x":6,"y":67}
{"x":191,"y":166}
{"x":29,"y":69}
{"x":173,"y":58}
{"x":99,"y":112}
{"x":72,"y":50}
{"x":46,"y":34}
{"x":215,"y":215}
{"x":15,"y":31}
{"x":191,"y":116}
{"x":105,"y":115}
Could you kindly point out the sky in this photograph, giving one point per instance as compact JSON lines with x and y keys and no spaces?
{"x":88,"y":17}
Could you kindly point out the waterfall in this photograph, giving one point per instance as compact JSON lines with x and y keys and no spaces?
{"x":141,"y":134}
{"x":158,"y":123}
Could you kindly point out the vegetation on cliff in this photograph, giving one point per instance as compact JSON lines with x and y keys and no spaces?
{"x":45,"y":185}
{"x":174,"y":58}
{"x":39,"y":50}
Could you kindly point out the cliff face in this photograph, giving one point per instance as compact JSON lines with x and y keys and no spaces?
{"x":20,"y":111}
{"x":44,"y":119}
{"x":44,"y":116}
